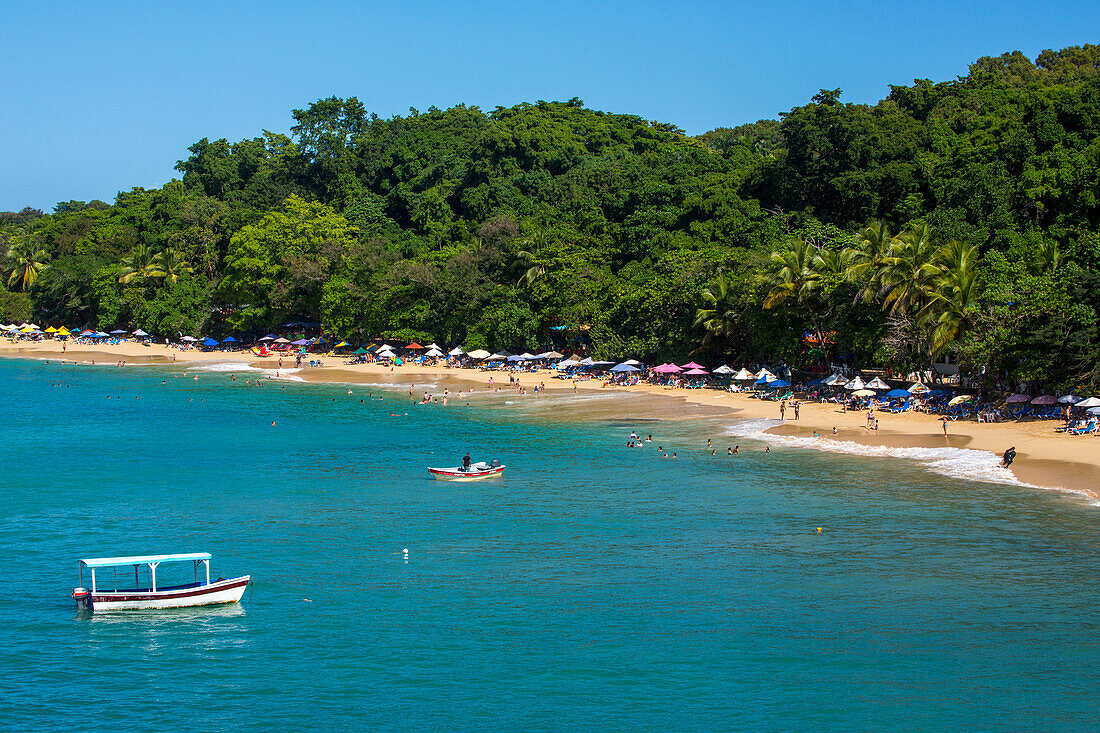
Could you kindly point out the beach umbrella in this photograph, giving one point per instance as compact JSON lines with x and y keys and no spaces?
{"x":209,"y":342}
{"x":434,"y":345}
{"x":63,"y":332}
{"x":26,"y":329}
{"x":414,"y":345}
{"x":51,"y":329}
{"x":1089,"y":402}
{"x":567,"y":364}
{"x":898,"y":393}
{"x":633,"y":362}
{"x":456,"y":351}
{"x":1045,"y":399}
{"x":667,"y":369}
{"x":778,"y":384}
{"x":301,"y":342}
{"x":551,"y":355}
{"x":269,"y":337}
{"x":514,"y":358}
{"x":229,"y":340}
{"x":744,"y":375}
{"x":723,"y":369}
{"x":188,"y":338}
{"x":856,"y":383}
{"x":31,"y":326}
{"x":1018,"y":398}
{"x":763,"y":373}
{"x":478,"y":354}
{"x":863,"y":393}
{"x":960,"y":399}
{"x":1069,"y":399}
{"x":877,"y":383}
{"x":697,"y":372}
{"x":360,"y":351}
{"x":624,"y":367}
{"x":499,"y":356}
{"x":282,"y":340}
{"x":917,"y":388}
{"x":1093,"y":410}
{"x":117,"y":331}
{"x":341,"y":345}
{"x":434,"y":353}
{"x":140,"y":334}
{"x":691,"y":365}
{"x":836,"y":381}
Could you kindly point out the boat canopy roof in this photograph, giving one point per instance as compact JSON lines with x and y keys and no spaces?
{"x":113,"y":562}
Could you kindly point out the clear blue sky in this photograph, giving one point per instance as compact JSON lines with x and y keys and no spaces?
{"x":102,"y":97}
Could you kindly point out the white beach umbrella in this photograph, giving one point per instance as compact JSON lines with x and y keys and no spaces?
{"x":433,"y":345}
{"x":918,"y":388}
{"x":567,"y":363}
{"x":856,"y":383}
{"x":478,"y":354}
{"x":192,"y":338}
{"x":744,"y":374}
{"x":763,"y":373}
{"x":527,"y":356}
{"x":877,"y":383}
{"x":633,"y":362}
{"x":1093,"y":411}
{"x":1069,"y":399}
{"x":434,"y":353}
{"x":1090,"y":402}
{"x":456,"y":351}
{"x":723,"y":369}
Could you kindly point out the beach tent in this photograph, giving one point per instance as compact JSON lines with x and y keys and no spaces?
{"x":478,"y":354}
{"x":1069,"y":399}
{"x":744,"y":375}
{"x":877,"y":383}
{"x":1089,"y":402}
{"x":697,"y":372}
{"x":1018,"y":398}
{"x":1044,"y":399}
{"x":917,"y":388}
{"x":624,"y":367}
{"x":723,"y":369}
{"x":456,"y":351}
{"x":897,"y":393}
{"x":856,"y":384}
{"x":691,"y":365}
{"x":864,"y":393}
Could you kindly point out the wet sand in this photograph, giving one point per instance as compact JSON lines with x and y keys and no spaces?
{"x":1044,"y":458}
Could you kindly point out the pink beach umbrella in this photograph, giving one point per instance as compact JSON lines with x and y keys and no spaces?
{"x":698,"y":371}
{"x":666,"y":369}
{"x":1046,"y":399}
{"x":691,"y":365}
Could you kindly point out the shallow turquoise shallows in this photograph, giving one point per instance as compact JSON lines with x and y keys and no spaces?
{"x":592,"y":588}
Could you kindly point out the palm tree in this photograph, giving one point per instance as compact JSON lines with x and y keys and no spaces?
{"x":718,"y":317}
{"x":28,"y":262}
{"x":169,"y":265}
{"x":136,"y":264}
{"x":1048,"y":257}
{"x":870,"y":247}
{"x":909,"y":270}
{"x":948,"y":309}
{"x":794,"y":273}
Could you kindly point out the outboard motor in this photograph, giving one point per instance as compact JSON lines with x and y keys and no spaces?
{"x":83,"y":598}
{"x":495,"y":463}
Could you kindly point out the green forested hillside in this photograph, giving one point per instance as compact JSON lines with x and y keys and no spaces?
{"x":955,"y":217}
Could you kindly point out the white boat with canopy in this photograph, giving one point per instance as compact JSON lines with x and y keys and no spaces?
{"x":147,"y":592}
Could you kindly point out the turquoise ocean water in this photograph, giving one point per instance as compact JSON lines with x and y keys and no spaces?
{"x":594,"y":587}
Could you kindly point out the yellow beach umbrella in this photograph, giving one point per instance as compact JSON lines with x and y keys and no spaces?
{"x":51,"y":329}
{"x":26,"y":329}
{"x":961,"y":398}
{"x":342,"y":343}
{"x":63,"y":331}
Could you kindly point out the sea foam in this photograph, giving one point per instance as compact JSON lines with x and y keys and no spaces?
{"x":960,"y":463}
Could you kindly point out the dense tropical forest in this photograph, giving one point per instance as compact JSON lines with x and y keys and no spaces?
{"x":956,"y":218}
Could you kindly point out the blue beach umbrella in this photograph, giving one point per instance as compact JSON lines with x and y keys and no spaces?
{"x":778,"y":383}
{"x":624,"y":368}
{"x":815,"y":382}
{"x":229,"y":340}
{"x":209,"y":342}
{"x":898,"y":393}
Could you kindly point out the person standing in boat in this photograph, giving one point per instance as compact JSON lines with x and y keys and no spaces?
{"x":466,"y":462}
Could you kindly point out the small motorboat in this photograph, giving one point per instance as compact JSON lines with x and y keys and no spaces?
{"x":475,"y":472}
{"x":147,"y":592}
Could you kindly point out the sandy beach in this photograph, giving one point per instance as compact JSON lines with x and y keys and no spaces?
{"x":1044,"y":458}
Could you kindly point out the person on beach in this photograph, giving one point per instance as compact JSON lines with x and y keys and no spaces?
{"x":834,"y":430}
{"x":1008,"y":457}
{"x":796,"y":404}
{"x":943,"y":421}
{"x":783,"y":410}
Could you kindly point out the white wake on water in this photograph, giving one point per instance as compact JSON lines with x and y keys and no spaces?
{"x":236,"y":366}
{"x":960,"y":463}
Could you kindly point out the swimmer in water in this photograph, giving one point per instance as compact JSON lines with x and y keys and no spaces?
{"x":767,"y":449}
{"x":729,"y":451}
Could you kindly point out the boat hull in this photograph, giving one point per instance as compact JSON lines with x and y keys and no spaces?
{"x":454,"y":474}
{"x":229,"y":590}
